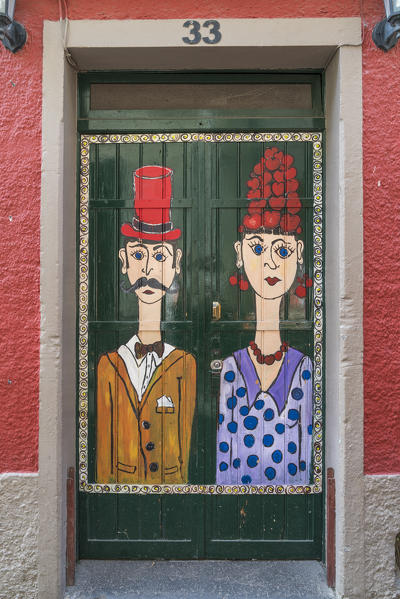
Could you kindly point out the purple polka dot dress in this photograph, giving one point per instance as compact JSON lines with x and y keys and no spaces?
{"x":265,"y":437}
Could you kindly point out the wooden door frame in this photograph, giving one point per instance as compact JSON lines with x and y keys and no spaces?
{"x":314,"y":43}
{"x":99,"y":135}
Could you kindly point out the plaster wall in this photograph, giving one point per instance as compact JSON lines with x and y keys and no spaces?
{"x":382,"y":524}
{"x":19,"y":518}
{"x":22,"y":193}
{"x":20,"y":123}
{"x":381,"y":146}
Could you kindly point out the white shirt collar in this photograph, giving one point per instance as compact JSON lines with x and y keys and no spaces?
{"x":135,"y":339}
{"x":140,"y":370}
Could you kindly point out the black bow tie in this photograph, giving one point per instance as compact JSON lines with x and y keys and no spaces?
{"x":141,"y":349}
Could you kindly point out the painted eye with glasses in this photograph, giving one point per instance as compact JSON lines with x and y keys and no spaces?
{"x":264,"y":429}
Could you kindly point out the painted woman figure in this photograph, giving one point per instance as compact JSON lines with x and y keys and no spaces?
{"x":265,"y":407}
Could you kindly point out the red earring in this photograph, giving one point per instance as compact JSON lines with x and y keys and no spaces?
{"x":243,"y":283}
{"x":305,"y":282}
{"x":233,"y":280}
{"x":238,"y":279}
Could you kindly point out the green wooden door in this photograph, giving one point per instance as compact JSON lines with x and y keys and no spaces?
{"x":145,"y":524}
{"x":262,"y":524}
{"x":200,"y":518}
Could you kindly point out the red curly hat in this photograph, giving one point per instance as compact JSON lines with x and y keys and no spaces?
{"x":273,"y":190}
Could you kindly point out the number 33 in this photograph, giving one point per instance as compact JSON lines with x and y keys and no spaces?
{"x":213,"y":37}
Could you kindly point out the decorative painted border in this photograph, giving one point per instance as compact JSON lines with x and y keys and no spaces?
{"x":86,"y":141}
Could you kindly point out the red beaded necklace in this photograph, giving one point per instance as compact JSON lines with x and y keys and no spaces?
{"x":268,"y":359}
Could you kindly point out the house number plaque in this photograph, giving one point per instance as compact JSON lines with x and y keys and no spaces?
{"x":209,"y":32}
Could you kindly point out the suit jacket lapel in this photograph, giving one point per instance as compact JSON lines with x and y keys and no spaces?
{"x":169,"y":361}
{"x":124,"y":380}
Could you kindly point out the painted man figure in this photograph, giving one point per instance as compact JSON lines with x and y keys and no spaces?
{"x":146,"y":391}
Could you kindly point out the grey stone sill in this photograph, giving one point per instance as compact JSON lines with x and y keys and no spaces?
{"x":200,"y":580}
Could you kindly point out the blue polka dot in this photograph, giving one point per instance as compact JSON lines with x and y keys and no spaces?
{"x":244,"y":410}
{"x":250,"y":422}
{"x":293,"y":414}
{"x":277,"y":456}
{"x":232,"y":427}
{"x":292,"y":447}
{"x":229,"y":376}
{"x":292,"y":469}
{"x":280,"y":428}
{"x":246,"y":479}
{"x":309,"y":428}
{"x":268,"y":414}
{"x":302,"y":466}
{"x":223,"y":466}
{"x":241,"y":392}
{"x":231,"y":402}
{"x":270,"y":473}
{"x":259,"y":404}
{"x":221,"y":418}
{"x":249,"y":440}
{"x":252,"y":461}
{"x":297,"y":393}
{"x":268,"y":440}
{"x":224,"y":447}
{"x":236,"y":463}
{"x":306,"y":374}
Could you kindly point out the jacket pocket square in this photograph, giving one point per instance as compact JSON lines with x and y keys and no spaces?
{"x":165,"y":405}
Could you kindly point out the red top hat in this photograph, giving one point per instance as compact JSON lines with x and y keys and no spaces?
{"x":152,"y":190}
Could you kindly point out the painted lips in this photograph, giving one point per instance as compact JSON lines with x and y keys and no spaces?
{"x":148,"y":292}
{"x":272,"y":281}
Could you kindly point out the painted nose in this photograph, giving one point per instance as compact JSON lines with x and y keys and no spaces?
{"x":147,"y":268}
{"x":269,"y":260}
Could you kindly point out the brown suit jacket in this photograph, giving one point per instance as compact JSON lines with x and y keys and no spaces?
{"x":141,"y":442}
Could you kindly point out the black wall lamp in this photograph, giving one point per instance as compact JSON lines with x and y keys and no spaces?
{"x":386,"y":33}
{"x":12,"y":34}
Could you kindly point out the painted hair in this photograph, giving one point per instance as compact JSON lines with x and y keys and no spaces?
{"x":274,"y":201}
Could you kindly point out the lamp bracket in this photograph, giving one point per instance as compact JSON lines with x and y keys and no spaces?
{"x":386,"y":33}
{"x":13,"y":35}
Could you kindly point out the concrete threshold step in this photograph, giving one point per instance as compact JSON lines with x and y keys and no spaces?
{"x":97,"y":579}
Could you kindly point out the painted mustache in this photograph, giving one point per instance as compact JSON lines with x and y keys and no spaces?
{"x":144,"y":282}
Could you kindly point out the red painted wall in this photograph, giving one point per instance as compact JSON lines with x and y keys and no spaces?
{"x":20,"y":131}
{"x":381,"y":143}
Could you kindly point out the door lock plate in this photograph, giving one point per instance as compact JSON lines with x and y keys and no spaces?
{"x":216,"y":311}
{"x":216,"y":365}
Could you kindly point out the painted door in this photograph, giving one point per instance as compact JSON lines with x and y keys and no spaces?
{"x":198,"y":438}
{"x":257,"y":441}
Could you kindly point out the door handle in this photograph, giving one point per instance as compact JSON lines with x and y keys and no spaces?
{"x":216,"y":311}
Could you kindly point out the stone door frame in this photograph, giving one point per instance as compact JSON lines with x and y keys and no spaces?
{"x":333,"y":45}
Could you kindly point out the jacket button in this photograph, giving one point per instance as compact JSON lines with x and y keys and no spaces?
{"x":150,"y":446}
{"x":153,"y":467}
{"x":146,"y":424}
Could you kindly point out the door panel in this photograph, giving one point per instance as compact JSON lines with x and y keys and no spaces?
{"x":156,"y":525}
{"x":272,"y":526}
{"x":201,"y":519}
